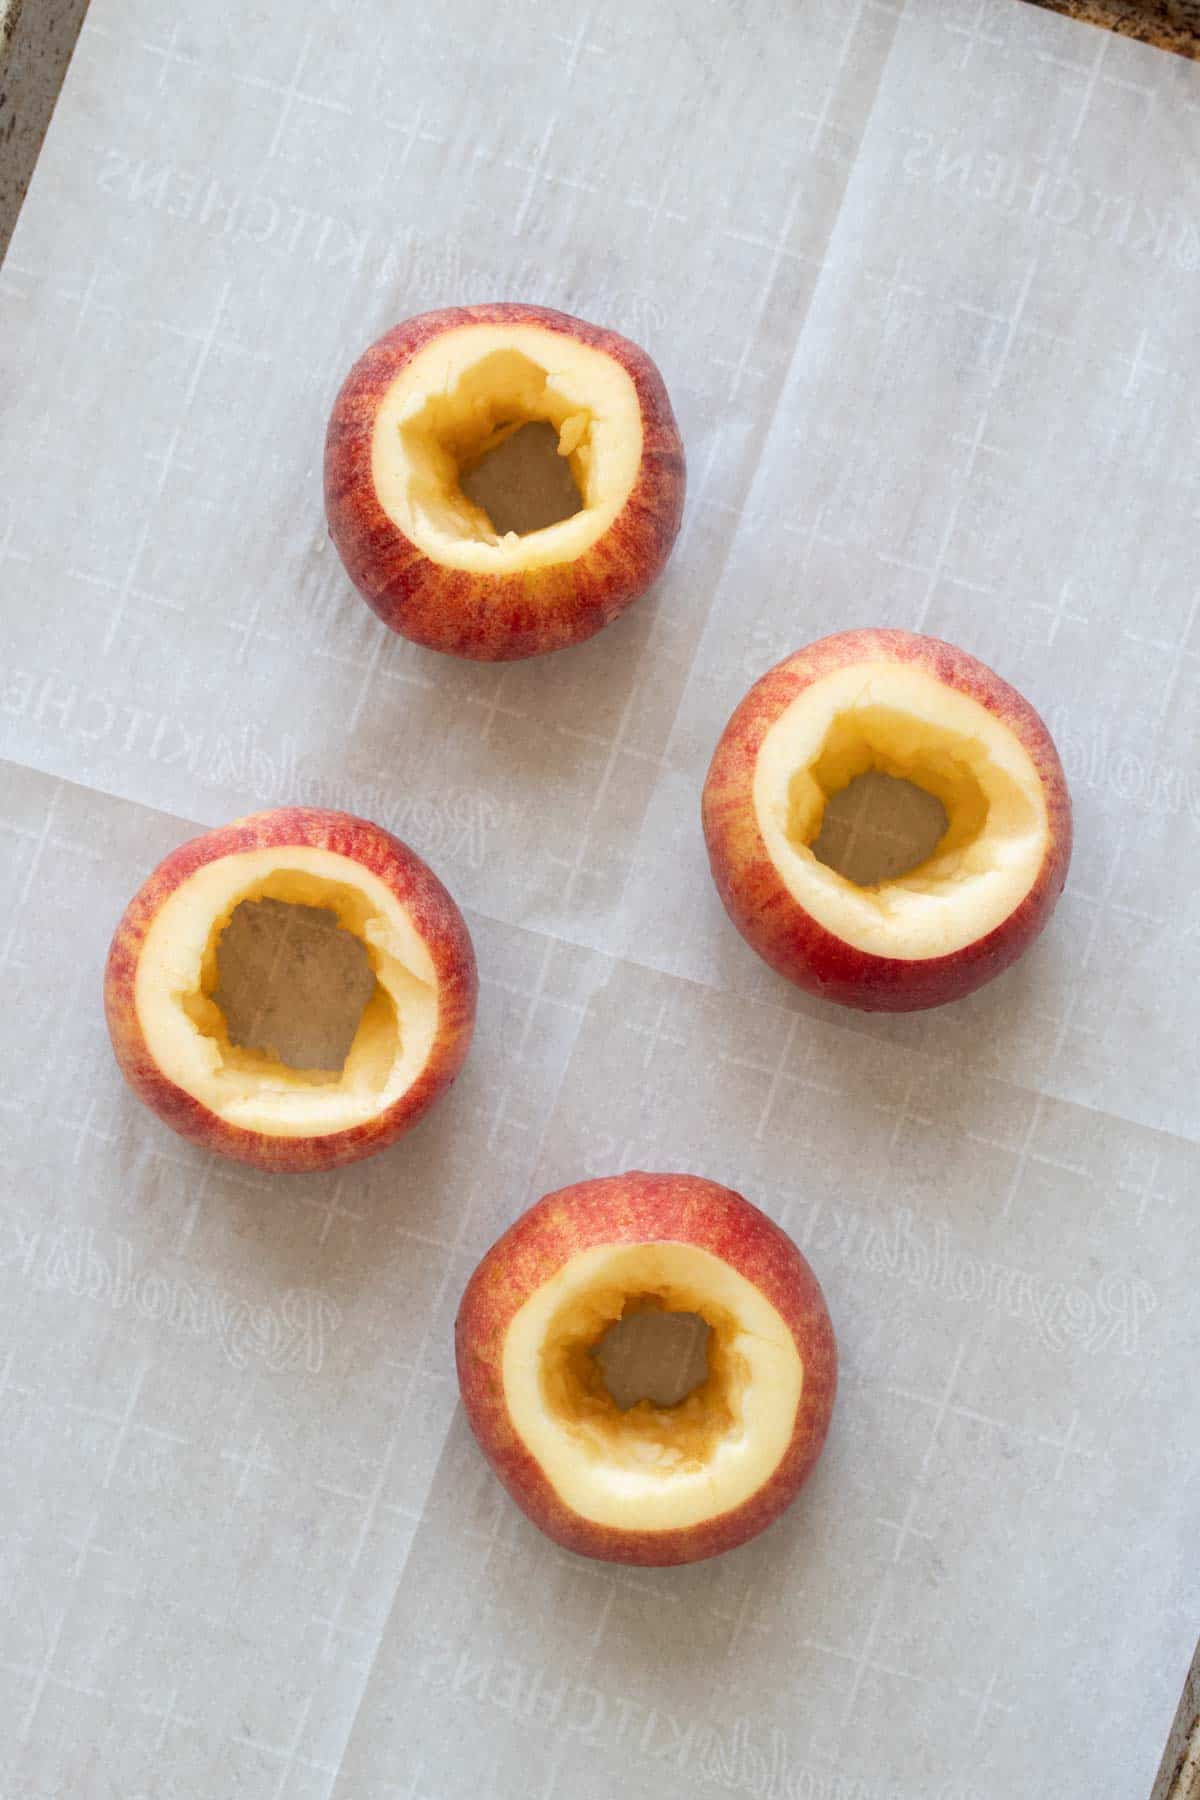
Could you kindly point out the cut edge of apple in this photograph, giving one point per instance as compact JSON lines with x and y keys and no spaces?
{"x":184,"y":1030}
{"x":651,"y":1468}
{"x":458,"y":396}
{"x":905,"y":722}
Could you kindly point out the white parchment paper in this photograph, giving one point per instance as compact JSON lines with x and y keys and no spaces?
{"x":922,"y":282}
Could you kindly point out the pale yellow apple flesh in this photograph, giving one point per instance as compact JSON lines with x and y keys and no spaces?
{"x":903,"y":722}
{"x":463,"y":395}
{"x":651,"y":1467}
{"x":187,"y":1034}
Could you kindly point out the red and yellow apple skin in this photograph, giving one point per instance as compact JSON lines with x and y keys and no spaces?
{"x":525,"y":612}
{"x":636,"y":1209}
{"x":433,"y":913}
{"x":758,"y":901}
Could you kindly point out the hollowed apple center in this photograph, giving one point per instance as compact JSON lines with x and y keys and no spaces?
{"x":522,"y":480}
{"x":501,"y":448}
{"x":292,"y":985}
{"x":879,"y":827}
{"x":291,"y":1000}
{"x":648,"y":1431}
{"x":652,"y":1355}
{"x":904,"y":816}
{"x":692,"y":1441}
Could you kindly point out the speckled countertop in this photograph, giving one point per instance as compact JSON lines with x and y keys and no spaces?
{"x":1171,"y":24}
{"x":36,"y":41}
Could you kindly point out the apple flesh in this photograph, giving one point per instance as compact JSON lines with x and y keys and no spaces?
{"x":916,"y":709}
{"x":224,"y":1084}
{"x":648,"y":1483}
{"x":415,"y":419}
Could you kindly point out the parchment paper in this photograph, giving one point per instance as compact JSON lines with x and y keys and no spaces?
{"x":922,"y":283}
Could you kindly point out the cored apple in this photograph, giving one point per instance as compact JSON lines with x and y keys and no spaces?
{"x":920,"y":711}
{"x":448,"y":396}
{"x":642,"y":1481}
{"x":308,"y":926}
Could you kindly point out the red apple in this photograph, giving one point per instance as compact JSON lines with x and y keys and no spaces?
{"x":164,"y":1001}
{"x":415,"y":417}
{"x":914,"y":708}
{"x":651,"y":1484}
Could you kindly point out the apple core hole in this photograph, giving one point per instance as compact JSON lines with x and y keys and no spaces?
{"x":292,"y":984}
{"x":878,"y":828}
{"x":499,"y":452}
{"x":523,"y":484}
{"x":655,"y":1355}
{"x":646,"y":1379}
{"x":892,"y":800}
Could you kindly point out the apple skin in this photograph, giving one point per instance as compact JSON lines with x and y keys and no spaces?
{"x":767,"y":915}
{"x":432,"y":911}
{"x":498,"y":618}
{"x":638,"y":1208}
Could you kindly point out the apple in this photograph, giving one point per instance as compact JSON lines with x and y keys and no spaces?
{"x":650,"y":1484}
{"x":417,"y":418}
{"x":290,"y":888}
{"x":921,"y":710}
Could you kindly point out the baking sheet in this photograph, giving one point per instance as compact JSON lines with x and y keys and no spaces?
{"x":920,"y":282}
